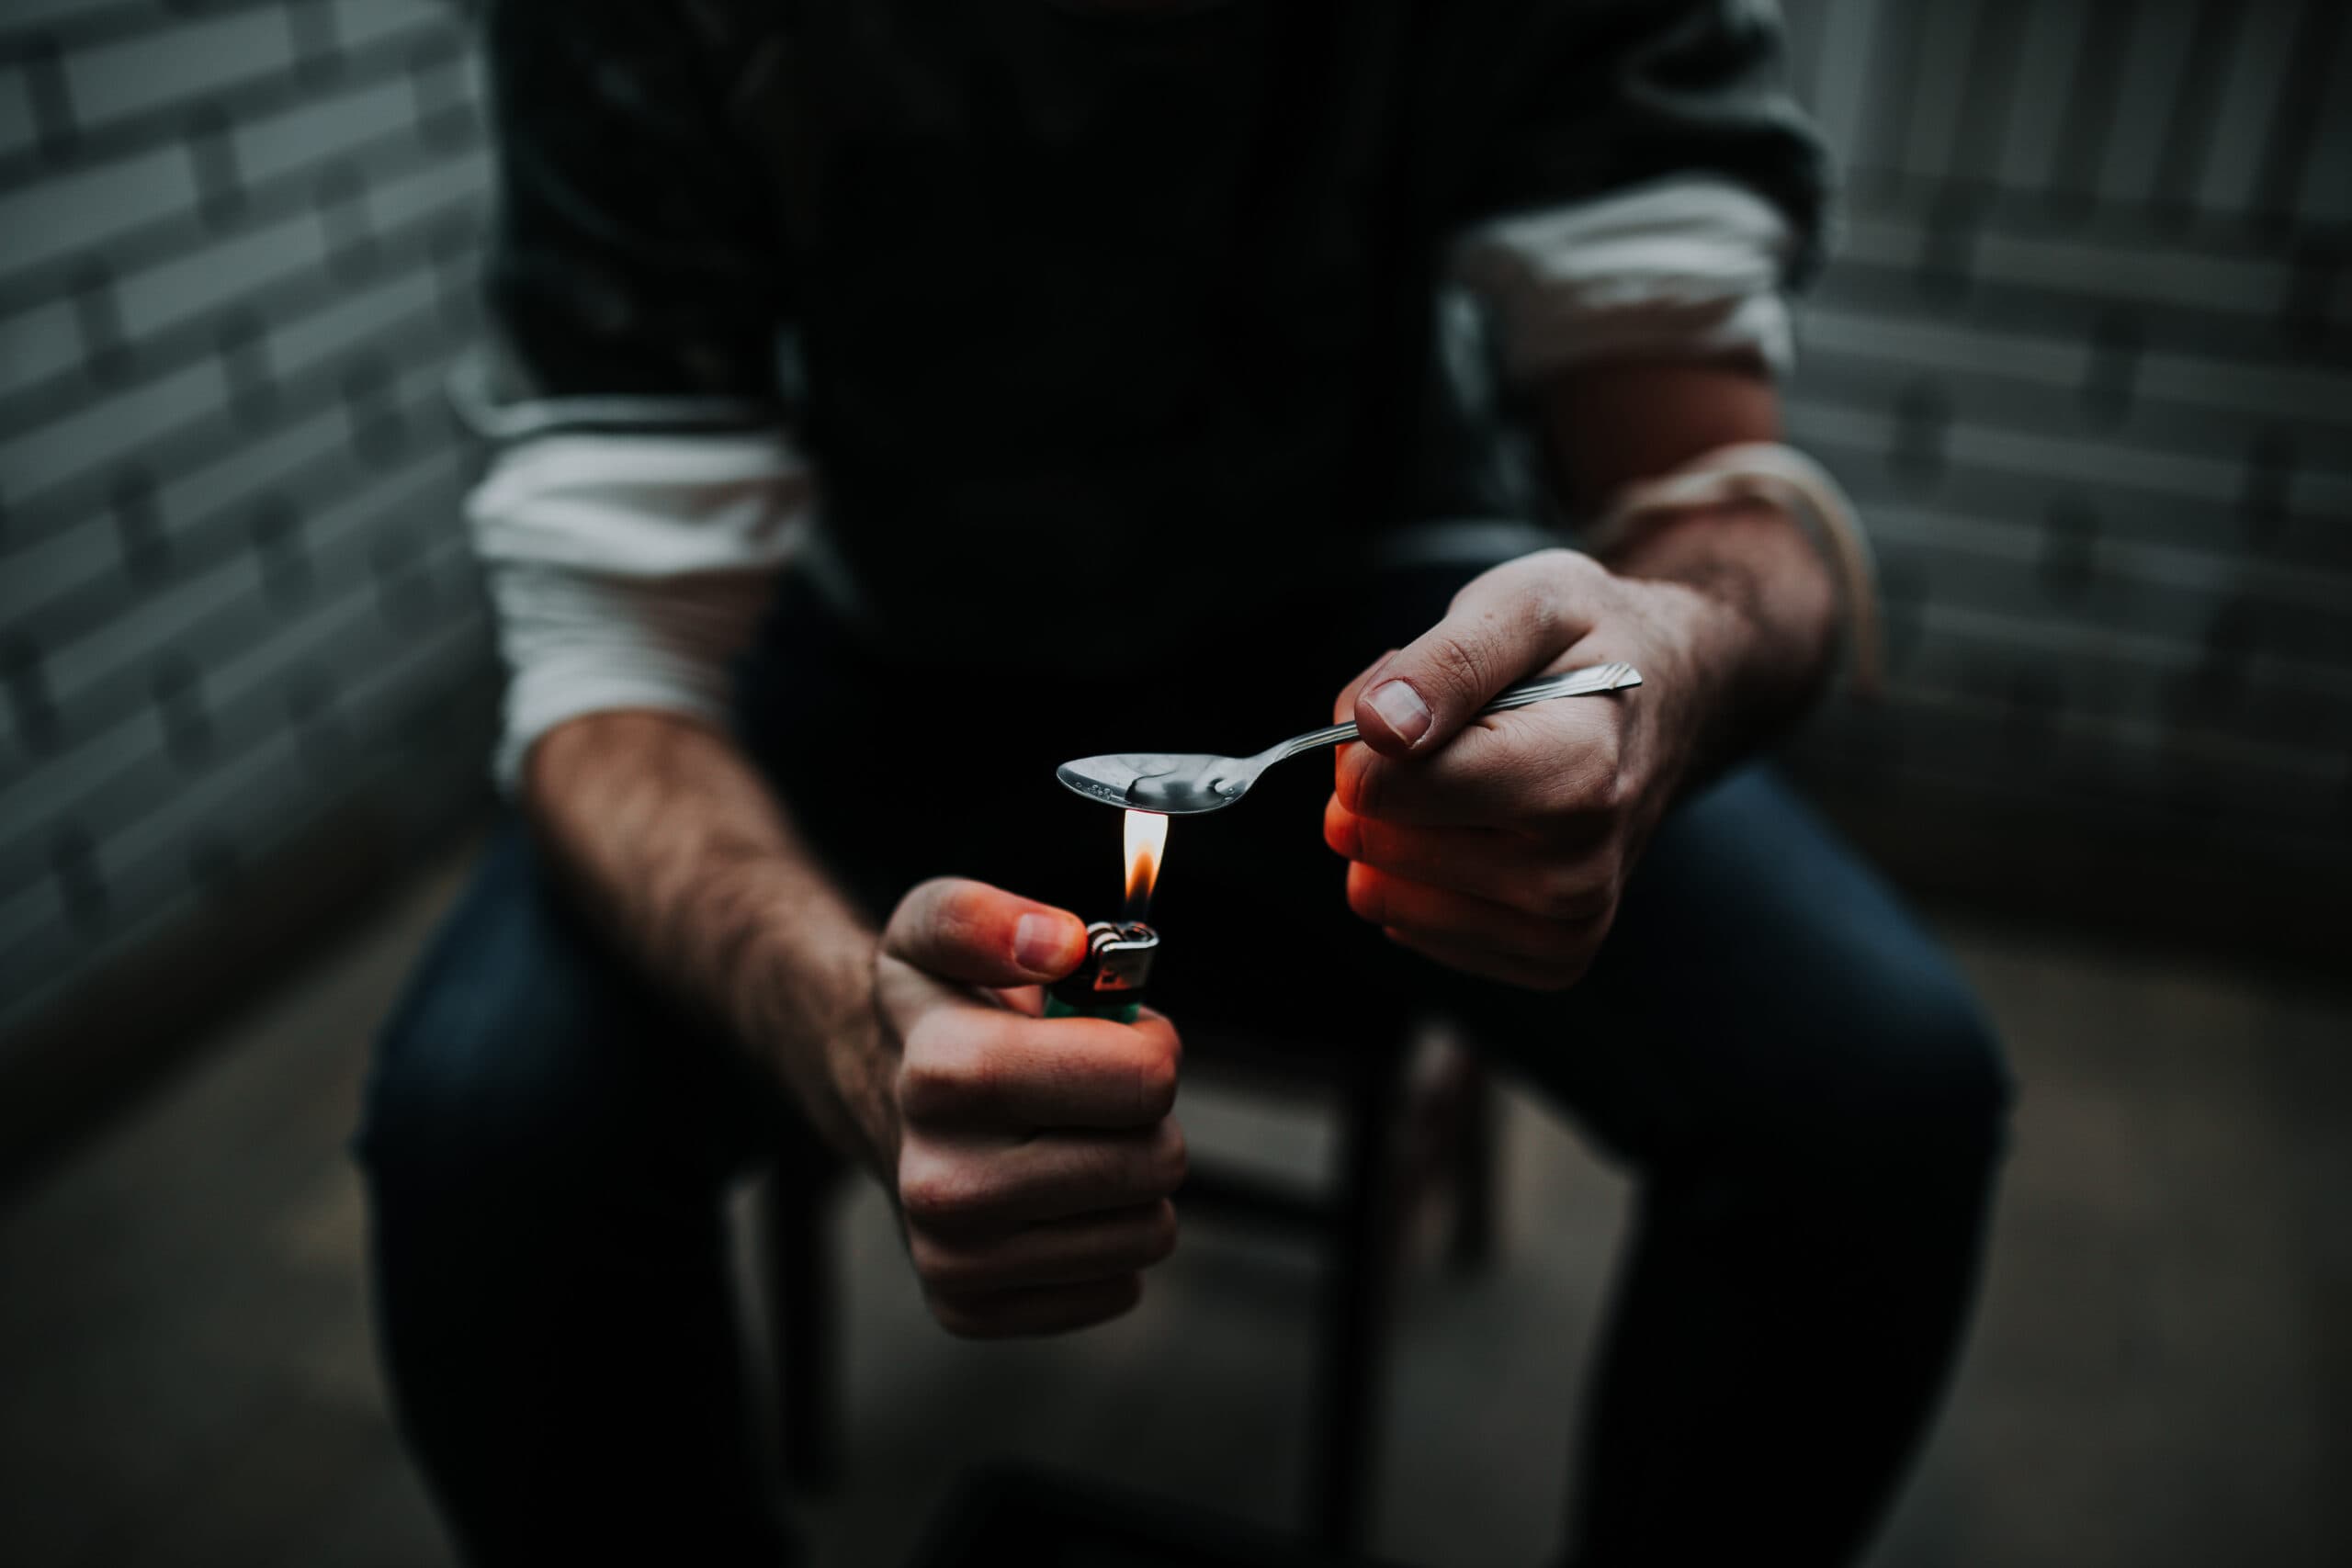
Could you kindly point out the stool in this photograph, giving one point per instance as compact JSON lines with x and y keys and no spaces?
{"x":1415,"y":1113}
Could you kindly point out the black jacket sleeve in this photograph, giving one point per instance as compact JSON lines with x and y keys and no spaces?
{"x":1586,"y":97}
{"x":636,"y":252}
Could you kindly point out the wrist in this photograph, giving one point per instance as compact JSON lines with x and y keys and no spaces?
{"x":1774,"y":598}
{"x":1695,"y":647}
{"x":804,"y":1004}
{"x":1752,"y":615}
{"x":862,"y":1069}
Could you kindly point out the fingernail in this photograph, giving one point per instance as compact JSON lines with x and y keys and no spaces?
{"x":1039,"y":941}
{"x":1402,"y":708}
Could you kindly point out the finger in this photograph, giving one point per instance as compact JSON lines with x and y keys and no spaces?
{"x":1006,"y":1314}
{"x":1508,"y":623}
{"x":955,"y":929}
{"x":1553,"y":766}
{"x":1067,"y":1252}
{"x":1027,"y":1000}
{"x":1424,"y":912}
{"x":977,"y":1185}
{"x":973,"y":1067}
{"x":1504,"y":868}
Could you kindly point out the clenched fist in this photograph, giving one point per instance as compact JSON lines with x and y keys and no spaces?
{"x":1034,"y":1156}
{"x":1499,"y":845}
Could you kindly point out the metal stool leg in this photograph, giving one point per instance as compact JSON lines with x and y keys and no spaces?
{"x":803,"y":1292}
{"x":1348,"y":1402}
{"x":1475,"y":1160}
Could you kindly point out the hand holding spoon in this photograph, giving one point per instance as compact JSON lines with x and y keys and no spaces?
{"x":1181,"y":783}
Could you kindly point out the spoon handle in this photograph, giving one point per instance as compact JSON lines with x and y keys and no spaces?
{"x":1581,"y":682}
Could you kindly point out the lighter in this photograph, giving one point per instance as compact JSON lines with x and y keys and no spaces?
{"x":1110,"y":983}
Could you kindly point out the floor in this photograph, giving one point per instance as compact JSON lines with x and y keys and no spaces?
{"x":2162,"y":1371}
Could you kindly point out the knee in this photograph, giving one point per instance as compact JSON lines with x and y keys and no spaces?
{"x":506,"y":1074}
{"x":468,"y":1106}
{"x":1905,"y":1077}
{"x":1923,"y":1079}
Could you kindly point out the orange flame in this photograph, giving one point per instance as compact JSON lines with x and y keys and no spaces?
{"x":1147,"y":841}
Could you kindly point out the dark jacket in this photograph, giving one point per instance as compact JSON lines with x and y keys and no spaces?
{"x":1124,"y":318}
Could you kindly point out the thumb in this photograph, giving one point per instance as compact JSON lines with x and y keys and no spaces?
{"x":954,"y":928}
{"x":1507,"y":624}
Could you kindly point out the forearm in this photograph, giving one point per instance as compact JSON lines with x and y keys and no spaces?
{"x":1755,"y":622}
{"x":675,"y":843}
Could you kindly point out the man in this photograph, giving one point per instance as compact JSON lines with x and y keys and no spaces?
{"x":1127,"y":341}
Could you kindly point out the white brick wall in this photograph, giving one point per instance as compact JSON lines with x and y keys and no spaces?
{"x":195,"y":59}
{"x":231,"y":577}
{"x":2084,"y":357}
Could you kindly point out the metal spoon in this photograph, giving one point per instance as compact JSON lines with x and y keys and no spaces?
{"x":1181,"y":783}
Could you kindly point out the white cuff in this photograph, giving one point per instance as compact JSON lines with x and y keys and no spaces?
{"x":1683,"y":268}
{"x":627,"y":571}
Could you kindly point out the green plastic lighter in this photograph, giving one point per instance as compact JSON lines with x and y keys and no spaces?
{"x":1110,"y":983}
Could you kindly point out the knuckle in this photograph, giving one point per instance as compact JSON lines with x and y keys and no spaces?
{"x":935,"y":1266}
{"x":1605,"y":757}
{"x":1358,"y":780}
{"x":1612,"y":793}
{"x":956,"y":1318}
{"x":944,"y":1070}
{"x":1168,"y":1160}
{"x":1567,"y":566}
{"x":1459,"y":661}
{"x":933,"y":1190}
{"x":1567,"y":892}
{"x":924,"y":1035}
{"x":1542,"y":603}
{"x":1594,"y":794}
{"x":1156,"y":1081}
{"x":1562,"y":820}
{"x":1342,"y":829}
{"x":929,"y":904}
{"x":926,"y":1091}
{"x":927,"y":893}
{"x":959,"y":915}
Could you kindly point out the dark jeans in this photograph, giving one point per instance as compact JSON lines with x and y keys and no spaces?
{"x":1809,"y":1096}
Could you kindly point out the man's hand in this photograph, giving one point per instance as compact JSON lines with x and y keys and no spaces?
{"x":1031,"y":1159}
{"x":1501,"y":845}
{"x":1034,"y":1158}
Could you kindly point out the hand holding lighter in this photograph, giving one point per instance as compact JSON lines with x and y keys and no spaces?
{"x":1181,"y":783}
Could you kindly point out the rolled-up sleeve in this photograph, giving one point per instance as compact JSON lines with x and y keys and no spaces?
{"x":627,"y":571}
{"x":1647,"y":188}
{"x":642,"y":488}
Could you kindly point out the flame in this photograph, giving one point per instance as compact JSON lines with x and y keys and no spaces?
{"x":1147,"y":841}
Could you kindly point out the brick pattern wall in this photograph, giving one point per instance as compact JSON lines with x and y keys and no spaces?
{"x":238,"y":244}
{"x":2085,"y":354}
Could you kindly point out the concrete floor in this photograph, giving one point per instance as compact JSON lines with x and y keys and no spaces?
{"x":2162,"y":1372}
